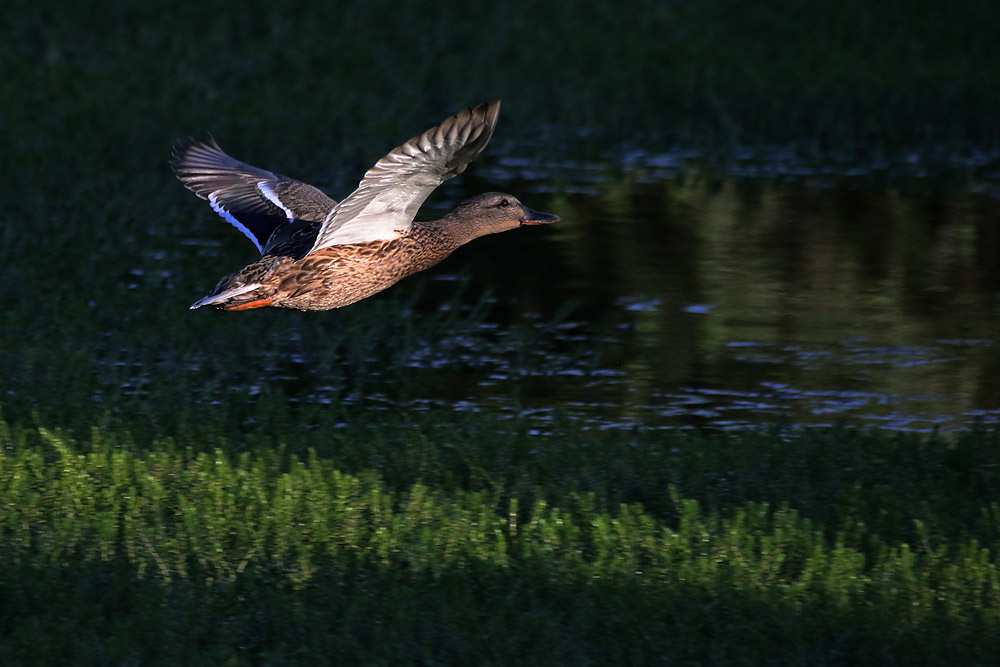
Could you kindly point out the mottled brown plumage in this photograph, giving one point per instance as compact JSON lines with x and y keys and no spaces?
{"x":317,"y":254}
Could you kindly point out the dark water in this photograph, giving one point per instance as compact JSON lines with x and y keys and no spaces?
{"x":672,"y":297}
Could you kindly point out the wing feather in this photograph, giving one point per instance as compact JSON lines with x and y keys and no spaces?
{"x":255,"y":201}
{"x":388,"y":197}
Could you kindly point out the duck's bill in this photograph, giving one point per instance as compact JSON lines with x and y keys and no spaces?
{"x":538,"y":218}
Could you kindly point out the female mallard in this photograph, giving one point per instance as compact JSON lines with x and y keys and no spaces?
{"x":318,"y":254}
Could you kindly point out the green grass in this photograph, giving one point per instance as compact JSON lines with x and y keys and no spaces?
{"x":319,"y":80}
{"x":184,"y":488}
{"x":801,"y":547}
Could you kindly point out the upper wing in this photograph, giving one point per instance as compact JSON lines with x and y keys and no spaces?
{"x":255,"y":201}
{"x":388,"y":197}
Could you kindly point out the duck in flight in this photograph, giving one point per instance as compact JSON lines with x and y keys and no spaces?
{"x":317,"y":254}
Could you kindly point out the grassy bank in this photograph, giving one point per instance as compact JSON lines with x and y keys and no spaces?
{"x":816,"y":547}
{"x":322,"y":79}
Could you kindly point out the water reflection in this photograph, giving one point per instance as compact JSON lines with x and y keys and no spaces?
{"x":725,"y":302}
{"x":674,"y":297}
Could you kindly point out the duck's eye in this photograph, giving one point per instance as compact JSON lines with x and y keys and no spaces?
{"x":504,"y":203}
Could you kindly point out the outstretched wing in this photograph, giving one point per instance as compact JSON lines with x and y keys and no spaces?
{"x":255,"y":201}
{"x":388,"y":197}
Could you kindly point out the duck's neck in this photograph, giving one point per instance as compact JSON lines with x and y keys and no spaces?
{"x":456,"y":229}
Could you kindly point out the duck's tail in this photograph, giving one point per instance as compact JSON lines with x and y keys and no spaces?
{"x":237,"y":298}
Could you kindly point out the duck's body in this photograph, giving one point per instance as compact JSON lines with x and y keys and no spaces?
{"x":317,"y":254}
